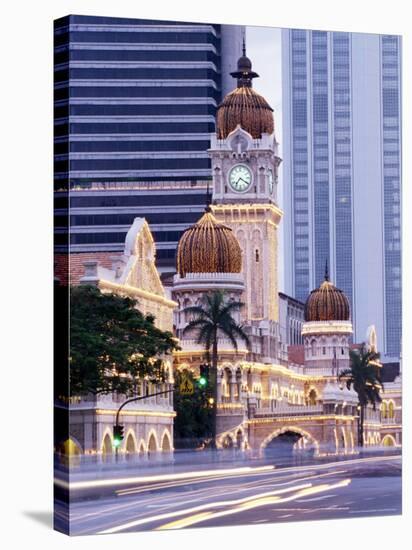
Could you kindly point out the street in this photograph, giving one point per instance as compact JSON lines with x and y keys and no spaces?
{"x":238,"y":495}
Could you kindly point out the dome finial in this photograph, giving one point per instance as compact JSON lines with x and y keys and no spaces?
{"x":244,"y":73}
{"x":326,"y":271}
{"x":208,"y":199}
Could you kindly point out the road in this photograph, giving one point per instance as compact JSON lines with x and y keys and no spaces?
{"x":241,"y":495}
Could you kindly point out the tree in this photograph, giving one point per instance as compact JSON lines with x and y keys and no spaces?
{"x":364,"y":376}
{"x":193,"y":421}
{"x":112,"y":344}
{"x":212,"y":316}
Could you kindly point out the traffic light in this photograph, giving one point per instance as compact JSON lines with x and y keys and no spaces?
{"x":203,"y":379}
{"x":118,"y":434}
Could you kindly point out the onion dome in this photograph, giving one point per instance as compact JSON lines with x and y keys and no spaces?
{"x":327,"y":303}
{"x":244,"y":106}
{"x":208,"y":247}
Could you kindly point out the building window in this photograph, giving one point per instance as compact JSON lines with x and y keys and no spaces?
{"x":257,"y":255}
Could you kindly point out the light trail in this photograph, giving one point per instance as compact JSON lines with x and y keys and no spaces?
{"x":163,"y":477}
{"x":171,"y":484}
{"x":205,"y":493}
{"x":251,"y":504}
{"x":202,"y":494}
{"x":200,"y":508}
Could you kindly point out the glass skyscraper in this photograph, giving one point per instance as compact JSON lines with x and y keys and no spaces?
{"x":135,"y":103}
{"x":341,"y":171}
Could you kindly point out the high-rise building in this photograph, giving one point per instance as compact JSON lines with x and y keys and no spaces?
{"x":135,"y":103}
{"x":341,"y":141}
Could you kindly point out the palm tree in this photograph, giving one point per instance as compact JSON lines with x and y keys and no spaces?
{"x":364,"y":376}
{"x":212,"y":316}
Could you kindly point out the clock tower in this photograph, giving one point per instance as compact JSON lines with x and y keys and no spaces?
{"x":245,"y":161}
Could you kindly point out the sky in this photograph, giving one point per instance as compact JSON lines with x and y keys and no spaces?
{"x":263,"y":47}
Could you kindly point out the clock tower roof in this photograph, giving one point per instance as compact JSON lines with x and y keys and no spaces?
{"x":243,"y":106}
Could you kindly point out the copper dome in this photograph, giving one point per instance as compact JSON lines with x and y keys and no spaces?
{"x":208,"y":247}
{"x":327,"y":303}
{"x":244,"y":106}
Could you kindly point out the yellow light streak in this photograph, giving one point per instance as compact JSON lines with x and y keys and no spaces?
{"x":255,"y":503}
{"x":162,"y":477}
{"x":201,"y":507}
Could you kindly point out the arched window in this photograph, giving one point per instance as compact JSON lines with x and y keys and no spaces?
{"x":384,"y":409}
{"x":313,"y":347}
{"x":391,"y":410}
{"x":312,"y":397}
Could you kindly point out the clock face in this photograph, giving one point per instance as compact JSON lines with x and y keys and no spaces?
{"x":240,"y":178}
{"x":270,"y":182}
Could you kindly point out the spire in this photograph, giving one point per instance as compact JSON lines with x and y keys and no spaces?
{"x":208,"y":199}
{"x":326,"y":271}
{"x":244,"y":73}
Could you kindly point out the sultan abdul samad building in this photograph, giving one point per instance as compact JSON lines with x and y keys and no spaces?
{"x":262,"y":395}
{"x":234,"y":247}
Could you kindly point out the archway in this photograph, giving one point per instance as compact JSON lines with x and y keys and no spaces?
{"x":282,"y":446}
{"x":239,"y":439}
{"x":130,"y":447}
{"x":152,"y":445}
{"x":70,"y":452}
{"x":227,"y":442}
{"x":166,"y":446}
{"x":312,"y":397}
{"x":142,"y":449}
{"x":388,"y":441}
{"x":289,"y":442}
{"x":107,"y":448}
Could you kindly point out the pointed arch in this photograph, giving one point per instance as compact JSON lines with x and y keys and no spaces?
{"x":142,"y":447}
{"x":313,"y":396}
{"x":166,"y":442}
{"x":107,"y":445}
{"x":131,"y":443}
{"x":152,"y":442}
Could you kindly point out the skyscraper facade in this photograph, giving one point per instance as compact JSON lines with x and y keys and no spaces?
{"x":342,"y":172}
{"x":135,"y":103}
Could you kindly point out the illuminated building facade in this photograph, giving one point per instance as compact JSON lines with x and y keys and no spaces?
{"x":262,"y":397}
{"x":148,"y":424}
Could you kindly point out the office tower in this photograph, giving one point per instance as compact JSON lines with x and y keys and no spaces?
{"x":341,"y":142}
{"x":135,"y":103}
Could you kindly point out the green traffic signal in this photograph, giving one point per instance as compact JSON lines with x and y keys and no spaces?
{"x":118,"y":435}
{"x":202,"y":382}
{"x":203,"y":379}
